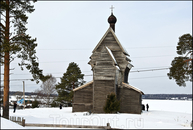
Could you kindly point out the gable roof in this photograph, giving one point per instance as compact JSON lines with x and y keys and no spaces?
{"x":131,"y":87}
{"x":111,"y":30}
{"x":83,"y":86}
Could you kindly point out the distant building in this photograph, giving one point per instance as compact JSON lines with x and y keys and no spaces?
{"x":110,"y":65}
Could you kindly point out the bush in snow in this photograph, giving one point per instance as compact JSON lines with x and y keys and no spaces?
{"x":54,"y":104}
{"x":112,"y":104}
{"x":35,"y":104}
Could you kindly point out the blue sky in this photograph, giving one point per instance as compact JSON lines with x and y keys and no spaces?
{"x":69,"y":31}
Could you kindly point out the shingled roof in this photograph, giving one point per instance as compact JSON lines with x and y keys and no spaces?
{"x":131,"y":87}
{"x":111,"y":30}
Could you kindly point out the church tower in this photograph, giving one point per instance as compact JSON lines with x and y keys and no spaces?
{"x":110,"y":64}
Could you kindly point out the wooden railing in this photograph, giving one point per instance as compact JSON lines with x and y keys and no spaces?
{"x":19,"y":120}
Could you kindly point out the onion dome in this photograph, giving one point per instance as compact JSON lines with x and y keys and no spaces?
{"x":112,"y":19}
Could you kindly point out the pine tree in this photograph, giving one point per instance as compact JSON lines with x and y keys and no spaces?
{"x":15,"y":43}
{"x":112,"y":104}
{"x":181,"y":69}
{"x":72,"y":79}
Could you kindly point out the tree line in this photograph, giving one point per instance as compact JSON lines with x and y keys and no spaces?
{"x":167,"y":96}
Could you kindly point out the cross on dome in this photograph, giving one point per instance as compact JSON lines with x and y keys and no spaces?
{"x":112,"y":19}
{"x":112,"y":8}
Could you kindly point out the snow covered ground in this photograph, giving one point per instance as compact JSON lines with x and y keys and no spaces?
{"x":162,"y":114}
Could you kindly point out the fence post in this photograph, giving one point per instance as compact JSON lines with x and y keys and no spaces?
{"x":23,"y":122}
{"x":20,"y":120}
{"x":108,"y":126}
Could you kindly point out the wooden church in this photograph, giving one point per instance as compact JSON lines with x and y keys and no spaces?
{"x":110,"y":65}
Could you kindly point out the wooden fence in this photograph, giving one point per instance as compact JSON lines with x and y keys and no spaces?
{"x":67,"y":126}
{"x":21,"y":121}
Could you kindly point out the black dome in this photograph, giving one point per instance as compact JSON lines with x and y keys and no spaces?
{"x":112,"y":19}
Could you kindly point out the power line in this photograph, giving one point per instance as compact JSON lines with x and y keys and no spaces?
{"x":130,"y":71}
{"x":149,"y":70}
{"x":27,"y":85}
{"x":92,"y":74}
{"x":152,"y":47}
{"x":152,"y":56}
{"x":157,"y":68}
{"x":53,"y":62}
{"x":58,"y":49}
{"x":148,"y":77}
{"x":153,"y":67}
{"x":49,"y":73}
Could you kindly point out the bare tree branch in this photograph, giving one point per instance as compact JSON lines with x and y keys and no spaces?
{"x":48,"y":88}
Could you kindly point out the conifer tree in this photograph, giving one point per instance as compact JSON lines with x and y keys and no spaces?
{"x":16,"y":43}
{"x":112,"y":105}
{"x":181,"y":70}
{"x":72,"y":79}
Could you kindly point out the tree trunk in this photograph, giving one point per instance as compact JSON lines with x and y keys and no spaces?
{"x":48,"y":100}
{"x":6,"y":67}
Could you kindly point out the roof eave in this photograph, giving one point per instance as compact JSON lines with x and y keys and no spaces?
{"x":133,"y":88}
{"x":83,"y":86}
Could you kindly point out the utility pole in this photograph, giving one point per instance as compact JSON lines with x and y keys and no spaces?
{"x":24,"y":94}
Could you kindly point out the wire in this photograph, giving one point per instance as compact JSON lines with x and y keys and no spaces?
{"x":88,"y":75}
{"x":148,"y":77}
{"x":153,"y":56}
{"x":150,"y":47}
{"x":153,"y":67}
{"x":149,"y":70}
{"x":92,"y":75}
{"x":53,"y":62}
{"x":92,"y":48}
{"x":130,"y":71}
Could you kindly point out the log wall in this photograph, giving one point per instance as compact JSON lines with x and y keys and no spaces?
{"x":104,"y":79}
{"x":102,"y":88}
{"x":83,"y":99}
{"x":130,"y":101}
